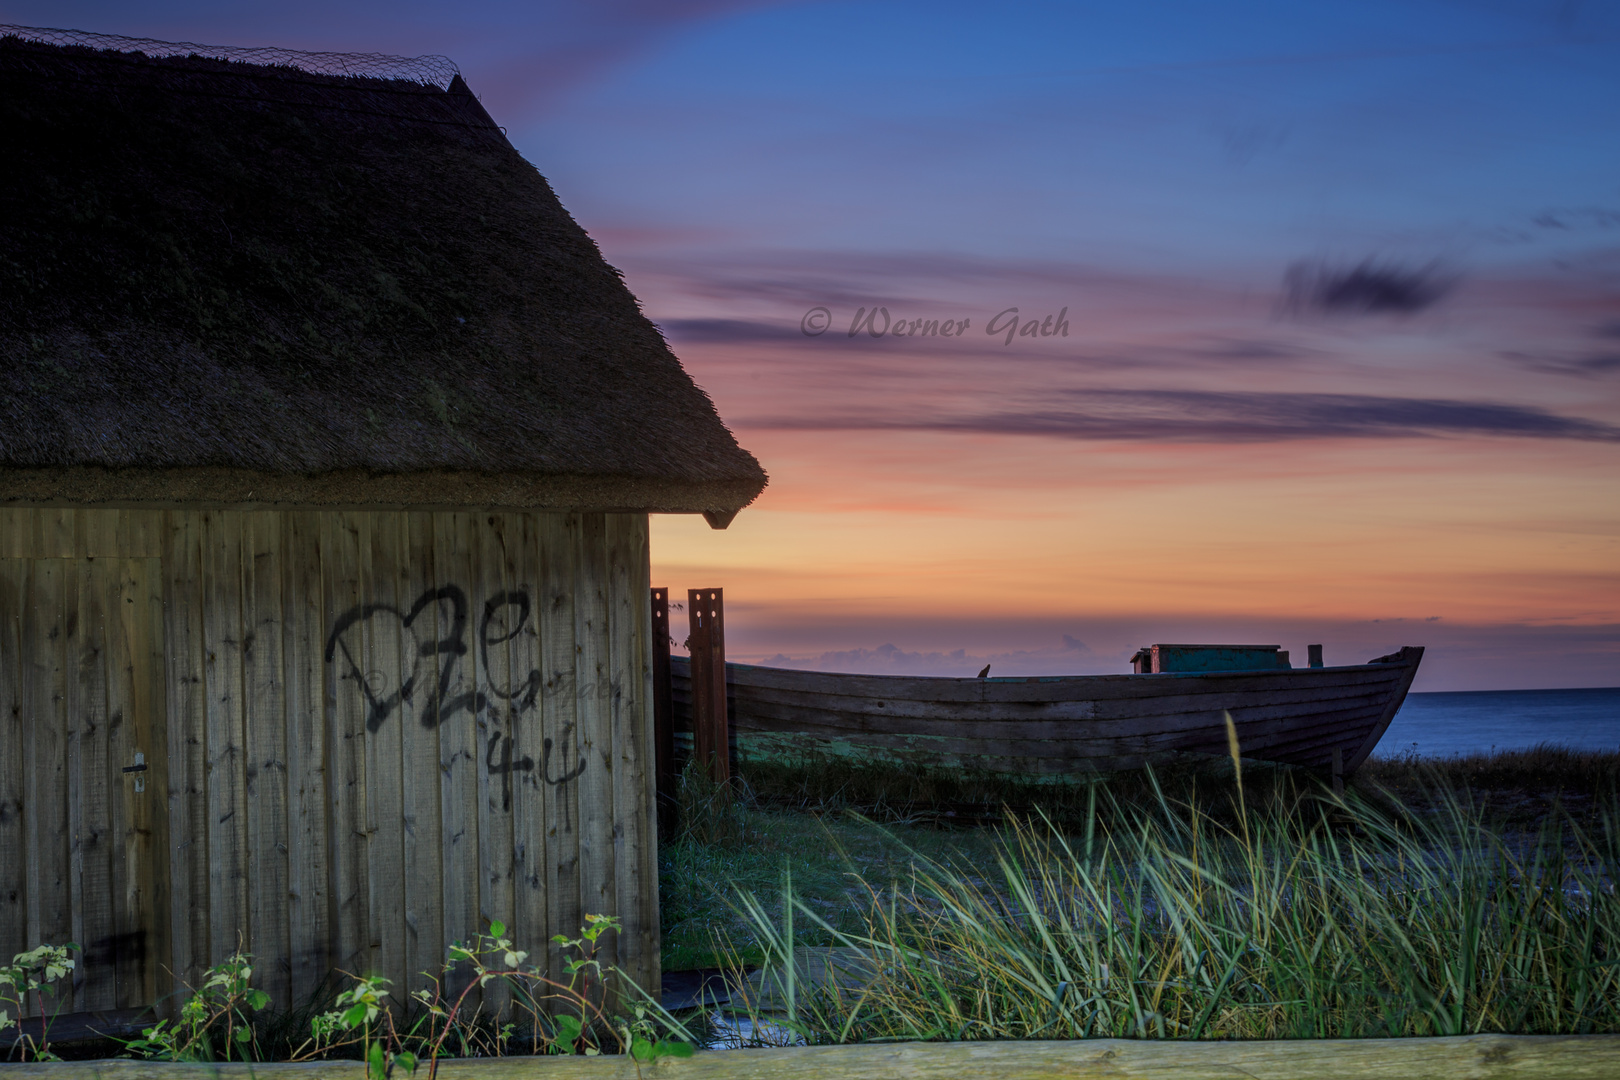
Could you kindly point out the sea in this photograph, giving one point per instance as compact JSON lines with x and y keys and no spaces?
{"x":1466,"y":722}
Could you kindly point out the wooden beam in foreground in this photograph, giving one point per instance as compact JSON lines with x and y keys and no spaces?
{"x":1469,"y":1057}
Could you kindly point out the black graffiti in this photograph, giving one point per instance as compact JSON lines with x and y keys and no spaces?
{"x":499,"y":707}
{"x":545,"y":766}
{"x":523,"y":696}
{"x":506,"y":765}
{"x":380,"y":704}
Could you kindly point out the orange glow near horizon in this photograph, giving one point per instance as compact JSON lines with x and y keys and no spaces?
{"x":919,"y":527}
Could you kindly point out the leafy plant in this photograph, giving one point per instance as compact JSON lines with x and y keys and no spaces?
{"x":563,"y":1017}
{"x":215,"y":1021}
{"x":33,"y":972}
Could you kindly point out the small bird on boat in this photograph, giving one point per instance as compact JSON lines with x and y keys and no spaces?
{"x":985,"y":673}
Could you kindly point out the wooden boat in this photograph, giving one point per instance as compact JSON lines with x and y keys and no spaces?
{"x":1051,"y":725}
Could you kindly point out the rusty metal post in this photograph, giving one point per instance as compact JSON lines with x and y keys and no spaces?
{"x":663,"y":714}
{"x":710,"y":738}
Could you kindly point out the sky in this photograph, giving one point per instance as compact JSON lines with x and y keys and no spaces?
{"x":1063,"y":329}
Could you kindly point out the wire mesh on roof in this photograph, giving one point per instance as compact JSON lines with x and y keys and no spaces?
{"x":428,"y":70}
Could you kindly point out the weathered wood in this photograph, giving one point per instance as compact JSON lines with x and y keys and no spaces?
{"x":663,"y":707}
{"x":459,"y":760}
{"x":17,"y":532}
{"x":561,"y":760}
{"x":635,"y":835}
{"x":419,"y":770}
{"x":1061,"y":724}
{"x":45,"y":784}
{"x":147,"y":842}
{"x":598,"y":893}
{"x":387,"y":670}
{"x":265,"y":763}
{"x":190,"y":913}
{"x":227,"y":836}
{"x":345,"y":543}
{"x":517,"y":622}
{"x":707,"y":646}
{"x":126,"y":953}
{"x":361,"y":736}
{"x":90,"y":806}
{"x":308,"y":884}
{"x":14,"y":761}
{"x":1467,"y":1057}
{"x":492,"y":665}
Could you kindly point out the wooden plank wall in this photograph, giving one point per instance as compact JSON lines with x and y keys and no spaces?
{"x":367,"y":734}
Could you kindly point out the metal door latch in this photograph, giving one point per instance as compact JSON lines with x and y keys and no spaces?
{"x":138,"y":768}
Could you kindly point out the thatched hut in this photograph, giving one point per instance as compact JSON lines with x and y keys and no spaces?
{"x":327,"y":445}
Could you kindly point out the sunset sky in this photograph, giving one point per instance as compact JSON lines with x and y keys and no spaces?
{"x":1340,"y":284}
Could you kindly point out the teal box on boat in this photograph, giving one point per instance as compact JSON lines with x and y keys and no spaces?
{"x":1160,"y":658}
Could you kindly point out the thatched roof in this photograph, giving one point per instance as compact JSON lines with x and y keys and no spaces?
{"x":235,"y":283}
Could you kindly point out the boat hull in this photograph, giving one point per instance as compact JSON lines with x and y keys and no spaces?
{"x":1054,"y":725}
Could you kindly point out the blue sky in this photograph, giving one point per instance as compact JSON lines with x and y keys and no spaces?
{"x":1239,"y":432}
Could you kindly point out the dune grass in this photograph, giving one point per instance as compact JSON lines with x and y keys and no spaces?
{"x":1270,"y":910}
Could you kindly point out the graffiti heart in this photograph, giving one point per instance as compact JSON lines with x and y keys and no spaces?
{"x":433,"y":628}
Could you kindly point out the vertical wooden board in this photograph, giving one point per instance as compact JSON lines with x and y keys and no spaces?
{"x":346,"y":555}
{"x":101,"y":533}
{"x":384,"y":638}
{"x":561,"y":758}
{"x":190,"y":915}
{"x":492,"y":573}
{"x":459,"y":761}
{"x":17,"y":531}
{"x":54,"y":533}
{"x":529,"y":789}
{"x":264,"y":710}
{"x":420,"y":777}
{"x":45,"y":782}
{"x":308,"y":926}
{"x":593,"y":655}
{"x":91,"y":808}
{"x":635,"y":832}
{"x":141,"y":533}
{"x":13,"y":760}
{"x":148,"y":723}
{"x":230,"y":927}
{"x":127,"y":951}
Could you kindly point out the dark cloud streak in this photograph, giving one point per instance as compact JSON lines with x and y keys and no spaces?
{"x":1369,"y":288}
{"x":1222,"y":417}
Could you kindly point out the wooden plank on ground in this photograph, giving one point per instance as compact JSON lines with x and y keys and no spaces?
{"x":1466,"y":1057}
{"x":346,"y":553}
{"x":264,"y":711}
{"x":635,"y":830}
{"x":560,"y":759}
{"x":387,"y":671}
{"x":14,"y":764}
{"x":308,"y":918}
{"x":190,"y":915}
{"x":230,"y":926}
{"x":420,"y":777}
